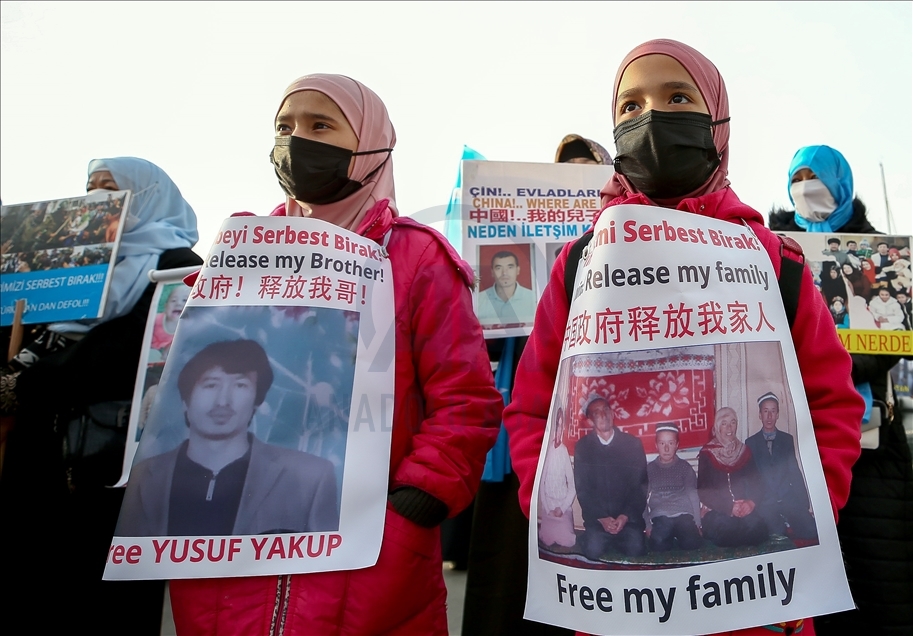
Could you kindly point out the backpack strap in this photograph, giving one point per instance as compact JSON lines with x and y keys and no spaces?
{"x":790,"y":280}
{"x":792,"y":264}
{"x":573,"y":262}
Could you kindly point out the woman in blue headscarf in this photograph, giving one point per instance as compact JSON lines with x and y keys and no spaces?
{"x":57,"y":521}
{"x":820,"y":185}
{"x":876,"y":525}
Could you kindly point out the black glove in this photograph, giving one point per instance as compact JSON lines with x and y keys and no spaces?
{"x":418,"y":506}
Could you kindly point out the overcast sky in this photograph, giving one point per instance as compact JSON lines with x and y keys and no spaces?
{"x":194,"y":87}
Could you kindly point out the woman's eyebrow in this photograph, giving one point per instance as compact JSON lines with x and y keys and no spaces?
{"x":626,"y":94}
{"x":666,"y":85}
{"x":681,"y":85}
{"x":309,"y":115}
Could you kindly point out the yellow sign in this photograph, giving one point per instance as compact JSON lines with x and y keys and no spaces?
{"x":877,"y":341}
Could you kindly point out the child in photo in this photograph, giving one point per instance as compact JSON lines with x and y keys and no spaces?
{"x":673,"y":507}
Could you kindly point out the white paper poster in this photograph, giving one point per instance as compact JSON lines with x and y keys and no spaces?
{"x":267,"y":445}
{"x":661,"y":507}
{"x":168,"y":302}
{"x":516,"y":217}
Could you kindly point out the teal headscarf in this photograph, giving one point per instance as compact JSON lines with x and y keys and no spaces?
{"x":834,"y":172}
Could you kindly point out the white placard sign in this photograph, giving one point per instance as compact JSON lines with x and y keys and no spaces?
{"x":677,"y":324}
{"x":168,"y":302}
{"x":266,"y":448}
{"x":516,"y":217}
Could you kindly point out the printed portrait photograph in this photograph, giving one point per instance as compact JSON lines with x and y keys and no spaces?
{"x":507,"y":288}
{"x":247,"y":431}
{"x":672,"y":457}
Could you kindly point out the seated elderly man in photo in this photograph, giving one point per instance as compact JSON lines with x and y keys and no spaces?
{"x":222,"y":480}
{"x":610,"y":474}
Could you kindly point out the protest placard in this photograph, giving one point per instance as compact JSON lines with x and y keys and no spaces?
{"x":660,"y":507}
{"x":58,"y":255}
{"x":516,"y":217}
{"x":267,"y":445}
{"x":865,"y":280}
{"x":168,"y":302}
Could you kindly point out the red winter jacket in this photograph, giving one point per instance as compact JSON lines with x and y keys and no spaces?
{"x":836,"y":408}
{"x":446,"y":417}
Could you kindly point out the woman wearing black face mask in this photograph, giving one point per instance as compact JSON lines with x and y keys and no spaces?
{"x":671,"y":113}
{"x":332,"y":158}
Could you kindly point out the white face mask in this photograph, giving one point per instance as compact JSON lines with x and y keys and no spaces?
{"x":813,"y":200}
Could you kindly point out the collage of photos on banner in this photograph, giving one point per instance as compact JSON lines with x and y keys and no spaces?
{"x":271,"y":386}
{"x":865,"y":279}
{"x":703,"y":465}
{"x":60,"y":234}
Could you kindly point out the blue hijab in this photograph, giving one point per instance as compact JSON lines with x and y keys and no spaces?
{"x":834,"y":172}
{"x":158,"y":219}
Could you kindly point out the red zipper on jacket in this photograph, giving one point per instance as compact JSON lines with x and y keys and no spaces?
{"x":280,"y":609}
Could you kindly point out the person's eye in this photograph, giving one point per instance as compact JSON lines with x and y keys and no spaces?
{"x":679,"y":98}
{"x":283,"y":129}
{"x":629,"y":107}
{"x":321,"y":126}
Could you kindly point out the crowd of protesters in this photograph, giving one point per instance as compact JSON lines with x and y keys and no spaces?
{"x":332,"y":157}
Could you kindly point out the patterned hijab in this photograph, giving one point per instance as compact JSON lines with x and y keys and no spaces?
{"x":573,"y":146}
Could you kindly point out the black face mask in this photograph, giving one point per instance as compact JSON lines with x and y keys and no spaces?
{"x":666,"y":154}
{"x":314,"y":172}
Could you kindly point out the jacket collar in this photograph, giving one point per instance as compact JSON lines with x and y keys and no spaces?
{"x":723,"y":205}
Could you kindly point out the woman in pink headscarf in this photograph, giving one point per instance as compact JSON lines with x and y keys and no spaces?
{"x":671,"y":116}
{"x":332,"y":157}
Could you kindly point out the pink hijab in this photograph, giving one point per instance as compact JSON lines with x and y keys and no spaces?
{"x":713,"y":90}
{"x":368,"y":117}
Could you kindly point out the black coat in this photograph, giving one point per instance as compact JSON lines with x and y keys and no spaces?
{"x":41,"y":505}
{"x":781,"y":220}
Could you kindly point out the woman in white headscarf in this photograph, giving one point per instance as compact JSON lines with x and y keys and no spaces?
{"x":58,"y":515}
